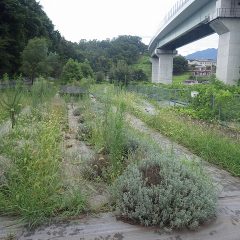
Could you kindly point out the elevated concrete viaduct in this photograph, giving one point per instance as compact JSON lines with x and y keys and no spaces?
{"x":191,"y":20}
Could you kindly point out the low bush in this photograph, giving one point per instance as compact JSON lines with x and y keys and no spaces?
{"x":165,"y":192}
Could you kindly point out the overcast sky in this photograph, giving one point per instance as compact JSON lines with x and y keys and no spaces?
{"x":101,"y":19}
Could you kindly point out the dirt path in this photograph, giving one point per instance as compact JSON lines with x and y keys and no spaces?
{"x":74,"y":151}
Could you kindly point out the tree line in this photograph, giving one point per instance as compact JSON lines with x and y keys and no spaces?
{"x":29,"y":44}
{"x":24,"y":20}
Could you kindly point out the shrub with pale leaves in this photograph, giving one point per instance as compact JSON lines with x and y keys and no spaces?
{"x":165,"y":192}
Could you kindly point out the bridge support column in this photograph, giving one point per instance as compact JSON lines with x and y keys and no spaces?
{"x":228,"y":59}
{"x":162,"y":66}
{"x":155,"y":69}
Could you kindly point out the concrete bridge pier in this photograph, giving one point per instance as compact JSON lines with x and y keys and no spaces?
{"x":228,"y":59}
{"x":155,"y":69}
{"x":162,"y":66}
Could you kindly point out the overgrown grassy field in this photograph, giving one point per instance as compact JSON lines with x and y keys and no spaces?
{"x":128,"y":161}
{"x":144,"y":181}
{"x":31,"y":184}
{"x":178,"y":79}
{"x":33,"y":188}
{"x":205,"y":141}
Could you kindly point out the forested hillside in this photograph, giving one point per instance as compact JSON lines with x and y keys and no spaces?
{"x":22,"y":20}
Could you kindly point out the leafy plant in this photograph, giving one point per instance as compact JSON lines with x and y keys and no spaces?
{"x":165,"y":192}
{"x":10,"y":102}
{"x":34,"y":58}
{"x":72,"y":71}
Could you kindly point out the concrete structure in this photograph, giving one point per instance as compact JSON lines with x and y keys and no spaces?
{"x":191,"y":20}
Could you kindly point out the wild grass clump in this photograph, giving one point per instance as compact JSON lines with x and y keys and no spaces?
{"x":10,"y":102}
{"x":202,"y":140}
{"x":164,"y":192}
{"x":32,"y":186}
{"x":104,"y":126}
{"x":108,"y":136}
{"x":114,"y":136}
{"x":41,"y":91}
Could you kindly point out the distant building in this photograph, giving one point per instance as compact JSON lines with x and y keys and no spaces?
{"x":202,"y":62}
{"x":202,"y":67}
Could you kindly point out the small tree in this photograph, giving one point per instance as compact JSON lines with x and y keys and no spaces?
{"x":139,"y":75}
{"x":10,"y":102}
{"x":86,"y":69}
{"x":34,"y":58}
{"x":100,"y":77}
{"x":121,"y":73}
{"x":180,"y":65}
{"x":72,"y":71}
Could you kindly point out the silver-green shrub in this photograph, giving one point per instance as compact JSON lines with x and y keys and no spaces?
{"x":165,"y":192}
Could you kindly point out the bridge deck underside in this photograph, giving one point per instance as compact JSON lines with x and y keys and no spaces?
{"x":203,"y":30}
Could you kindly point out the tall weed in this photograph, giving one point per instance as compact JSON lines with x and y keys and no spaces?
{"x":32,"y":186}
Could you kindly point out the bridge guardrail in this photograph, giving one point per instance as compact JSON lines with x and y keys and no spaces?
{"x":176,"y":7}
{"x":172,"y":12}
{"x":228,"y":12}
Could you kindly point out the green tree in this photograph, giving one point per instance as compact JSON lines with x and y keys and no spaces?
{"x":34,"y":58}
{"x":139,"y":75}
{"x":20,"y":21}
{"x":54,"y":65}
{"x":120,"y":73}
{"x":72,"y":71}
{"x":100,"y":76}
{"x":86,"y":69}
{"x":180,"y":65}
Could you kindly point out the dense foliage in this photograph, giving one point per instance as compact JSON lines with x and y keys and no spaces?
{"x":214,"y":101}
{"x":180,"y":64}
{"x":21,"y":21}
{"x":34,"y":58}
